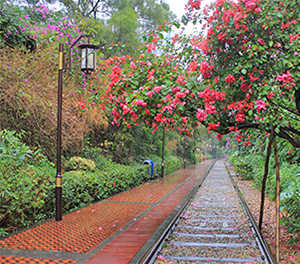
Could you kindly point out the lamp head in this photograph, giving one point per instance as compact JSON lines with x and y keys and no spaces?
{"x":88,"y":57}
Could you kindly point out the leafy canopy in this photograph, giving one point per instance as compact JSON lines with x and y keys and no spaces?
{"x":241,"y":73}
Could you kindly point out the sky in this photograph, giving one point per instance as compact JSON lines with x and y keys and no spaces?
{"x":177,"y":6}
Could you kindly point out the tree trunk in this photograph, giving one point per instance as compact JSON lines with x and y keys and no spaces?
{"x":277,"y":243}
{"x":263,"y":188}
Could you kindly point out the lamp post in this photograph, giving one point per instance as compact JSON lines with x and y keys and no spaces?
{"x":88,"y":64}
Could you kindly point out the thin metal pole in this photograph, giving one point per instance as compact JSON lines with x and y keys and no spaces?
{"x":58,"y":188}
{"x":163,"y":155}
{"x":277,"y":242}
{"x":195,"y":151}
{"x":184,"y":160}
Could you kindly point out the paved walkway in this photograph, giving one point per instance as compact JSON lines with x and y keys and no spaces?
{"x":111,"y":231}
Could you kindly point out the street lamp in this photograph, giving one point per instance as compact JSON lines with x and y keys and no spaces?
{"x":88,"y":57}
{"x":88,"y":64}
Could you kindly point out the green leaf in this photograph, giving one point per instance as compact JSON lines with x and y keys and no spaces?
{"x":244,"y":71}
{"x":176,"y":24}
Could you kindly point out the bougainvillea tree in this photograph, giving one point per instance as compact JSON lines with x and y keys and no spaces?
{"x":242,"y":73}
{"x":253,"y":46}
{"x":158,"y":89}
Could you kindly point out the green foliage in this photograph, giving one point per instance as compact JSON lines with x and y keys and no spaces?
{"x":80,"y":164}
{"x":242,"y":166}
{"x":82,"y":188}
{"x":12,"y":148}
{"x":123,"y":27}
{"x":172,"y":163}
{"x":290,"y":199}
{"x":244,"y":169}
{"x":10,"y":25}
{"x":118,"y":22}
{"x":15,"y":151}
{"x":27,"y":185}
{"x":94,"y":154}
{"x":26,"y":194}
{"x":254,"y":157}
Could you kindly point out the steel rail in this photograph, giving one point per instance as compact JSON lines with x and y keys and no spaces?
{"x":268,"y":256}
{"x":150,"y":255}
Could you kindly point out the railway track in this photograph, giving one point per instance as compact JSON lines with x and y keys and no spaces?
{"x":215,"y":227}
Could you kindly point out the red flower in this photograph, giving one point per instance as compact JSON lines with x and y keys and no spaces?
{"x":240,"y":117}
{"x":206,"y":69}
{"x":184,"y":119}
{"x":212,"y":126}
{"x":244,"y":87}
{"x":194,"y":5}
{"x":229,"y":79}
{"x":193,"y":66}
{"x":81,"y":104}
{"x":201,"y":115}
{"x":219,"y":136}
{"x":238,"y":139}
{"x":271,"y":95}
{"x":261,"y":105}
{"x":261,"y":41}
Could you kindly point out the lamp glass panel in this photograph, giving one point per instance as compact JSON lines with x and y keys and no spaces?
{"x":91,"y":55}
{"x":83,"y":58}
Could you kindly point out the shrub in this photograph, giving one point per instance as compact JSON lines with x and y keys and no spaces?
{"x":80,"y":164}
{"x":290,"y":201}
{"x":12,"y":148}
{"x":242,"y":166}
{"x":173,"y":163}
{"x":27,"y":186}
{"x":26,"y":194}
{"x":94,"y":154}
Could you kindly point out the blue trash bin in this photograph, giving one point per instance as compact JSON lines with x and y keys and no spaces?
{"x":150,"y":162}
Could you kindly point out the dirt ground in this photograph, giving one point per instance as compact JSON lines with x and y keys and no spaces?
{"x":289,"y":253}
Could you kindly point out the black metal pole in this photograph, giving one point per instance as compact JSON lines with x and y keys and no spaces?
{"x":184,"y":160}
{"x":58,"y":188}
{"x":163,"y":155}
{"x":195,"y":150}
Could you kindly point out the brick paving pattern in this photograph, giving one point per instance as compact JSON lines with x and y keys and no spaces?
{"x":79,"y":231}
{"x":24,"y":260}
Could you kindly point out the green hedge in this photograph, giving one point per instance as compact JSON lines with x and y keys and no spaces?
{"x":82,"y":188}
{"x":27,"y":186}
{"x":26,"y":195}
